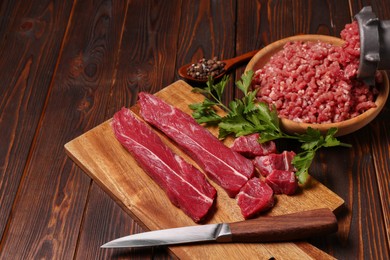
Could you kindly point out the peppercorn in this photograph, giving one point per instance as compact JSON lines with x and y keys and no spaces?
{"x":205,"y":68}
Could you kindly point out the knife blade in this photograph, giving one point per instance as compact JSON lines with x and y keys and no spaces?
{"x":289,"y":227}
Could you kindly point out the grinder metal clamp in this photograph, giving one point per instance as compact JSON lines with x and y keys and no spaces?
{"x":374,"y":44}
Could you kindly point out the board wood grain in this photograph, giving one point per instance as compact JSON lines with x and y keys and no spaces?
{"x":102,"y":157}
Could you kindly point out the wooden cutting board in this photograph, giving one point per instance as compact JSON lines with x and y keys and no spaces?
{"x":101,"y":156}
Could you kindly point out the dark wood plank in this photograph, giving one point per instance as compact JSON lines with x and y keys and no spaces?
{"x":27,"y":31}
{"x":259,"y":24}
{"x":7,"y":8}
{"x":207,"y":30}
{"x":49,"y":226}
{"x":105,"y":221}
{"x":380,"y":140}
{"x":147,"y":53}
{"x":340,"y":169}
{"x":112,"y":50}
{"x":141,"y":67}
{"x":379,"y":7}
{"x":351,"y":174}
{"x":320,"y":17}
{"x":263,"y":22}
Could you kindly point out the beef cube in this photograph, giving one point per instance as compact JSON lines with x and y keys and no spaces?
{"x":267,"y":163}
{"x":255,"y":197}
{"x":250,"y":147}
{"x":282,"y":182}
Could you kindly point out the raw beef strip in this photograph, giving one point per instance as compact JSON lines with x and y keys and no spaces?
{"x":267,"y":163}
{"x":224,"y":166}
{"x":282,"y":182}
{"x":186,"y":186}
{"x":250,"y":147}
{"x":255,"y":197}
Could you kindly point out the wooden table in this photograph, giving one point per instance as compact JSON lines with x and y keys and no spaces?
{"x":68,"y":66}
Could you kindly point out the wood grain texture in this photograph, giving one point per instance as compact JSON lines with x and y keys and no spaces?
{"x":25,"y":79}
{"x":379,"y":220}
{"x":289,"y":227}
{"x":145,"y":63}
{"x":67,"y":66}
{"x":362,"y":217}
{"x":99,"y":227}
{"x":380,"y":148}
{"x":48,"y":227}
{"x":99,"y":154}
{"x":381,"y":153}
{"x":147,"y":57}
{"x":207,"y":31}
{"x":335,"y":169}
{"x":350,"y":173}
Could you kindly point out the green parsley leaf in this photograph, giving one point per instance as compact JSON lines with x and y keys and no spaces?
{"x":205,"y":113}
{"x":232,"y":124}
{"x":247,"y":116}
{"x":245,"y":82}
{"x":302,"y":162}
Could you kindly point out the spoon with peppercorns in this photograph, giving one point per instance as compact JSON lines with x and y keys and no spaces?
{"x":199,"y":72}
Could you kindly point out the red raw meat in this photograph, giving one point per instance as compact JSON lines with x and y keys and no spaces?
{"x":316,"y":82}
{"x":224,"y":166}
{"x":267,"y":163}
{"x":250,"y":147}
{"x":255,"y":197}
{"x":186,"y":186}
{"x":282,"y":182}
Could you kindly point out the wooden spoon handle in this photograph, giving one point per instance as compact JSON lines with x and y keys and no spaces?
{"x":233,"y":62}
{"x":288,"y":227}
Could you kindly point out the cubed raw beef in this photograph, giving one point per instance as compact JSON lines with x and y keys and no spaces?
{"x":250,"y":147}
{"x":282,"y":182}
{"x":256,"y":196}
{"x":224,"y":166}
{"x":185,"y":185}
{"x":267,"y":163}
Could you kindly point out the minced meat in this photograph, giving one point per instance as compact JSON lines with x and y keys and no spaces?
{"x":315,"y":82}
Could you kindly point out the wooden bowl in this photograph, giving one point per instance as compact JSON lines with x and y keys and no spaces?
{"x":344,"y":127}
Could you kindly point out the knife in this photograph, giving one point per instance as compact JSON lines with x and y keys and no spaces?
{"x":294,"y":226}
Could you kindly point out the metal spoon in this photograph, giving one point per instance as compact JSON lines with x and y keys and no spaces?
{"x":230,"y":64}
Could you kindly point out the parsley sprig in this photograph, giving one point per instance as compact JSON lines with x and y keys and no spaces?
{"x":247,"y":116}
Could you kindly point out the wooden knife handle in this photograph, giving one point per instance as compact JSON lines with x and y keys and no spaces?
{"x":287,"y":227}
